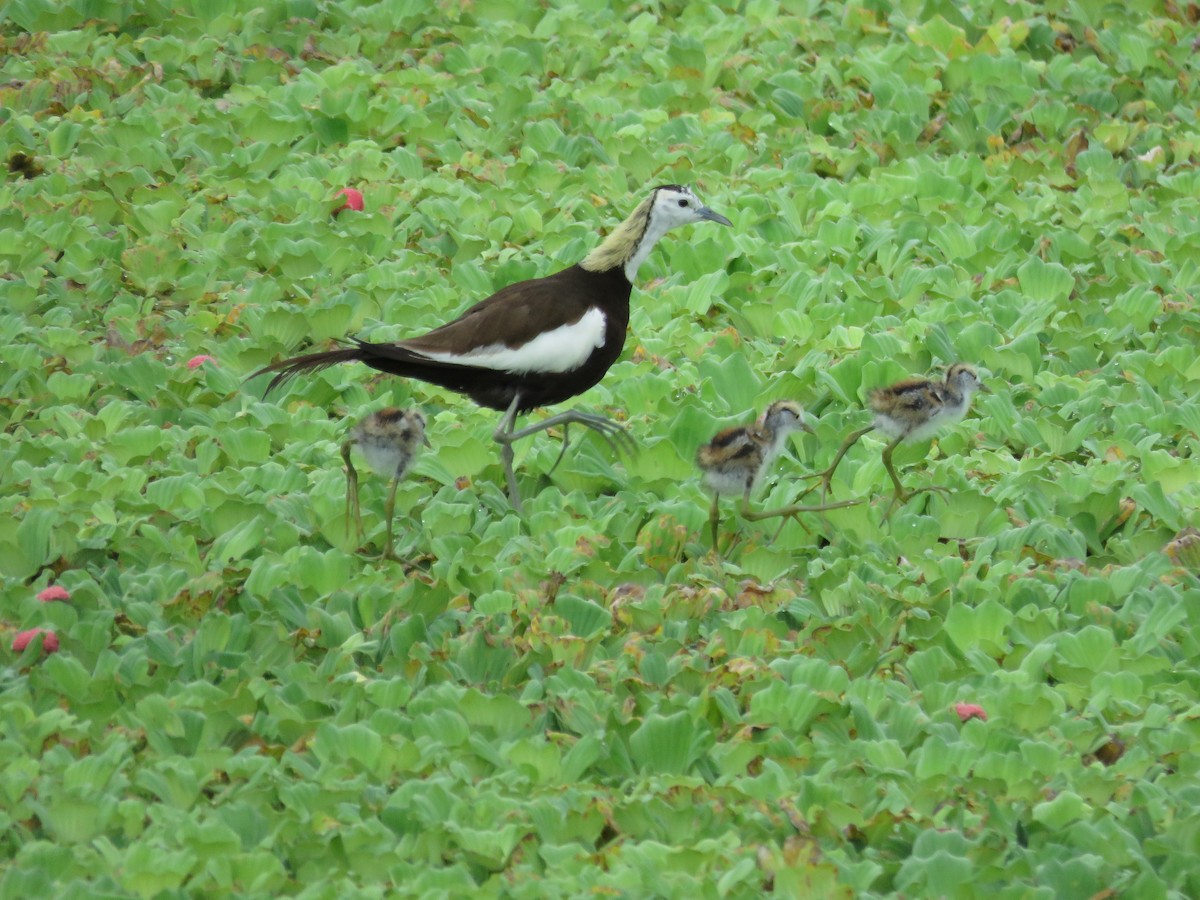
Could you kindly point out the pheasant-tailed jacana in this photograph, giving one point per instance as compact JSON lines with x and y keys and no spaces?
{"x":390,"y":439}
{"x":734,"y":461}
{"x":536,"y":342}
{"x":912,"y":410}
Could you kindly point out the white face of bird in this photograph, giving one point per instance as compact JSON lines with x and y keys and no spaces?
{"x":783,"y":417}
{"x":963,"y":379}
{"x":676,"y":205}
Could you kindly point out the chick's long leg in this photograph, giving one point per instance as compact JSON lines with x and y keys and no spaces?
{"x":714,"y":519}
{"x":902,"y":496}
{"x":352,"y":507}
{"x":791,"y":512}
{"x":389,"y":510}
{"x":826,"y":475}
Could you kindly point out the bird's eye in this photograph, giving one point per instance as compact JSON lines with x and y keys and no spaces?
{"x":683,"y":203}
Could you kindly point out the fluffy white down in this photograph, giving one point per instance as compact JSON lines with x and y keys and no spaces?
{"x":386,"y":459}
{"x":561,"y":349}
{"x":726,"y":482}
{"x":948,"y":414}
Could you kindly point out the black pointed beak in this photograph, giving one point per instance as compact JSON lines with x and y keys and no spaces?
{"x":705,"y":213}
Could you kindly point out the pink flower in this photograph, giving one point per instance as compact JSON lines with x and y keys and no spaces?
{"x":54,"y":592}
{"x":968,"y":711}
{"x":25,"y":638}
{"x":354,"y":201}
{"x":197,"y":361}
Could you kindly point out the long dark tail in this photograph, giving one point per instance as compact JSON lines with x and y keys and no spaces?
{"x":310,"y":362}
{"x":482,"y":385}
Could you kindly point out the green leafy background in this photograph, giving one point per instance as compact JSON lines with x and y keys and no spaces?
{"x":583,"y":701}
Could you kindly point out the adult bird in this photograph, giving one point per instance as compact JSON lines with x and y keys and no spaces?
{"x":536,"y":342}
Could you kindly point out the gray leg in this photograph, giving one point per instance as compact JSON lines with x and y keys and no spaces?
{"x":503,"y":435}
{"x":616,"y":436}
{"x":563,"y":451}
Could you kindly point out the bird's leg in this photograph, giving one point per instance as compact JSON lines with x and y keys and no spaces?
{"x":790,"y":512}
{"x":783,"y":520}
{"x":352,"y":507}
{"x":616,"y":436}
{"x":714,"y":519}
{"x":902,"y":496}
{"x":826,"y":475}
{"x":503,"y":435}
{"x":389,"y":510}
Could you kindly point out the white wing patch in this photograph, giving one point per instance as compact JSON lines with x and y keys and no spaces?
{"x":561,"y":349}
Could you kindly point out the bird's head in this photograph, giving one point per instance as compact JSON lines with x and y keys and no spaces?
{"x":668,"y":206}
{"x":675,"y":205}
{"x":406,"y":427}
{"x":783,"y":417}
{"x":965,"y":380}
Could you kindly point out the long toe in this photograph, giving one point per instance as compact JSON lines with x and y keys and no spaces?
{"x":566,"y":440}
{"x":826,"y":486}
{"x":614,"y":433}
{"x":928,"y":489}
{"x":620,"y":440}
{"x":824,"y":479}
{"x":895,"y":501}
